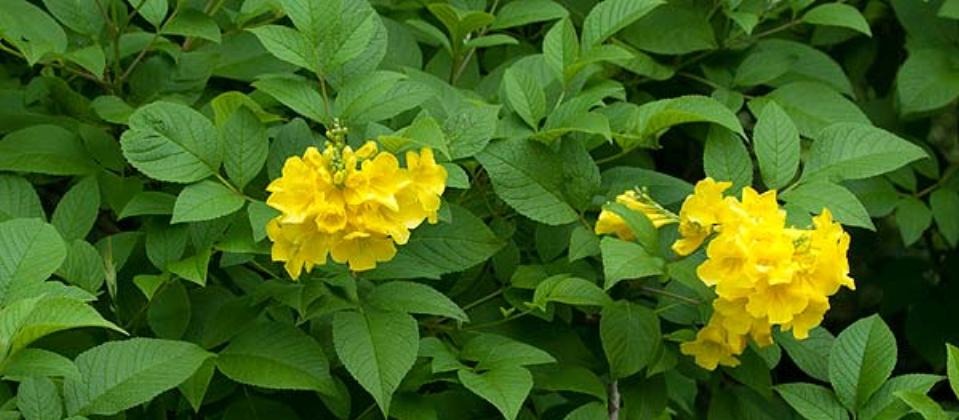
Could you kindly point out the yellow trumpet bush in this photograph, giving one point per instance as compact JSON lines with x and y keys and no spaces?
{"x":351,"y":205}
{"x":764,"y":273}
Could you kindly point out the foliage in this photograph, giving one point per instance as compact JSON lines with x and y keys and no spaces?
{"x":138,"y":139}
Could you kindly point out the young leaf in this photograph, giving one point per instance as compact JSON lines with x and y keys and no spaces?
{"x":777,"y":146}
{"x":855,"y":151}
{"x":31,"y":251}
{"x":39,"y":399}
{"x":630,"y":335}
{"x":610,"y":16}
{"x":276,"y":356}
{"x":246,"y":146}
{"x":812,"y":401}
{"x":525,"y":95}
{"x":569,"y":290}
{"x":77,"y":210}
{"x":626,"y":260}
{"x":171,"y":142}
{"x":725,"y":158}
{"x":119,"y":375}
{"x":205,"y":200}
{"x":838,"y":14}
{"x":861,"y":359}
{"x":377,"y":348}
{"x":414,"y":298}
{"x":519,"y":13}
{"x":560,"y":47}
{"x":504,"y":387}
{"x":813,"y":197}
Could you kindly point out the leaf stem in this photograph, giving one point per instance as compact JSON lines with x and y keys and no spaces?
{"x":498,"y":321}
{"x":661,"y":292}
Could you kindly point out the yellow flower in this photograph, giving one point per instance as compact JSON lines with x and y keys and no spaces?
{"x":699,"y":213}
{"x":610,"y":222}
{"x":362,"y":250}
{"x":714,"y":346}
{"x":428,"y":180}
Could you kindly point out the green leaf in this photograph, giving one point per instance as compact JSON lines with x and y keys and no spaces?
{"x":31,"y":31}
{"x":377,"y":96}
{"x":195,"y":387}
{"x":414,"y":298}
{"x":169,"y":312}
{"x":77,"y":210}
{"x":630,"y":335}
{"x":627,"y":260}
{"x":884,"y":405}
{"x":286,"y":44}
{"x":652,"y":119}
{"x":525,"y":95}
{"x":148,"y":203}
{"x":246,"y":146}
{"x":192,"y":268}
{"x":588,"y":411}
{"x":504,"y":387}
{"x":112,"y":109}
{"x":582,"y":243}
{"x":528,"y":177}
{"x":763,"y":66}
{"x":913,"y":218}
{"x":725,"y":158}
{"x":30,"y":252}
{"x":519,"y":13}
{"x":569,"y":290}
{"x":569,"y":377}
{"x":119,"y":375}
{"x":838,"y":14}
{"x":205,"y":200}
{"x":493,"y":351}
{"x":341,"y":30}
{"x":296,"y":93}
{"x":610,"y":16}
{"x":18,"y":199}
{"x":81,"y":16}
{"x":806,"y":63}
{"x":434,"y":250}
{"x":945,"y":206}
{"x":276,"y":356}
{"x":813,"y":197}
{"x":861,"y":359}
{"x":952,"y":367}
{"x":193,"y":23}
{"x":777,"y":146}
{"x":377,"y":348}
{"x":154,"y":11}
{"x":673,"y":29}
{"x":171,"y":142}
{"x":60,"y":153}
{"x":92,"y":58}
{"x":645,"y":399}
{"x":36,"y":362}
{"x":560,"y":47}
{"x":83,"y":267}
{"x":949,"y":9}
{"x":487,"y":41}
{"x":856,"y":151}
{"x":922,"y":404}
{"x":812,"y":401}
{"x":39,"y":399}
{"x":812,"y":107}
{"x":27,"y":320}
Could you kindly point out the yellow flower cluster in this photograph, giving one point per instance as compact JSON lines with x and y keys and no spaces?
{"x":764,"y":273}
{"x":350,"y":205}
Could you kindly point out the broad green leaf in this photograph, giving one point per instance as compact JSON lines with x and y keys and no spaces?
{"x":414,"y":298}
{"x":246,"y":146}
{"x":725,"y":158}
{"x":83,"y":266}
{"x":913,"y":218}
{"x":171,"y":142}
{"x":28,"y":320}
{"x":205,"y":200}
{"x":856,"y":151}
{"x":340,"y":29}
{"x":112,"y":109}
{"x":30,"y":252}
{"x":525,"y":95}
{"x":377,"y":96}
{"x":154,"y":11}
{"x":952,"y":367}
{"x":60,"y":153}
{"x":195,"y":387}
{"x":777,"y":146}
{"x":861,"y":359}
{"x":626,"y":260}
{"x":434,"y":250}
{"x":492,"y":351}
{"x":754,"y":372}
{"x":588,"y":411}
{"x":812,"y":107}
{"x":276,"y":356}
{"x":193,"y":23}
{"x":949,"y":9}
{"x":813,"y":197}
{"x":806,"y":63}
{"x":763,"y":66}
{"x":922,"y":404}
{"x":812,"y":401}
{"x":927,"y":80}
{"x":519,"y":13}
{"x":673,"y":29}
{"x":296,"y":93}
{"x":82,"y":16}
{"x":652,"y":119}
{"x":630,"y":335}
{"x":18,"y":199}
{"x":39,"y":399}
{"x":560,"y":47}
{"x":169,"y":312}
{"x":645,"y":399}
{"x":148,"y":203}
{"x":885,"y":405}
{"x":569,"y":377}
{"x":504,"y":387}
{"x":582,"y":243}
{"x":77,"y":210}
{"x":528,"y":177}
{"x":36,"y":362}
{"x":469,"y":128}
{"x":610,"y":16}
{"x":377,"y":348}
{"x":227,"y":103}
{"x":569,"y":290}
{"x":838,"y":14}
{"x":31,"y":31}
{"x":118,"y":375}
{"x":192,"y":268}
{"x":945,"y":206}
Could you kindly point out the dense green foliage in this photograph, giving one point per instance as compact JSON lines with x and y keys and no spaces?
{"x":138,"y":137}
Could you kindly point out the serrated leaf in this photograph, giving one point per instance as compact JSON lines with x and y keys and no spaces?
{"x":83,"y":266}
{"x":838,"y":14}
{"x":492,"y":351}
{"x":525,"y":95}
{"x":119,"y":375}
{"x":195,"y":387}
{"x":725,"y":158}
{"x":776,"y":141}
{"x":171,"y":142}
{"x":18,"y":199}
{"x":521,"y":13}
{"x":529,"y":178}
{"x":193,"y":23}
{"x":378,"y":96}
{"x":855,"y":151}
{"x":812,"y":107}
{"x":27,"y":320}
{"x":30,"y":252}
{"x":414,"y":298}
{"x":813,"y":197}
{"x":952,"y":367}
{"x":39,"y":399}
{"x":610,"y":16}
{"x":630,"y":335}
{"x":246,"y":146}
{"x":504,"y":387}
{"x":205,"y":200}
{"x":296,"y":93}
{"x":922,"y":404}
{"x":77,"y":210}
{"x":884,"y":405}
{"x":652,"y":119}
{"x":945,"y":206}
{"x":81,"y":16}
{"x":148,"y":203}
{"x":861,"y":359}
{"x":627,"y":260}
{"x":36,"y":362}
{"x":276,"y":356}
{"x":31,"y":31}
{"x":812,"y":401}
{"x":913,"y":218}
{"x":569,"y":377}
{"x":673,"y":29}
{"x":569,"y":290}
{"x":60,"y":153}
{"x":377,"y":348}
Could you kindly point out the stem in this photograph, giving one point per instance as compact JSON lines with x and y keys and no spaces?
{"x":326,"y":99}
{"x":661,"y":292}
{"x":459,"y":66}
{"x":779,"y":28}
{"x":611,"y":158}
{"x":498,"y":321}
{"x":482,"y":300}
{"x":614,"y":397}
{"x":950,"y":171}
